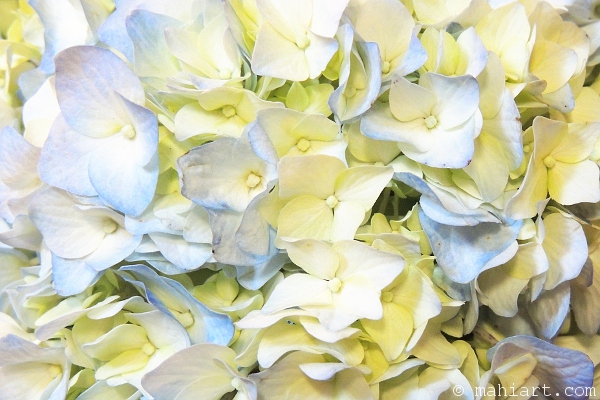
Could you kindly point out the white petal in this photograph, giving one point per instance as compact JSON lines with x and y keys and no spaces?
{"x":362,"y":184}
{"x":315,"y":257}
{"x":68,"y":232}
{"x":298,"y":290}
{"x":457,"y":98}
{"x":371,"y":265}
{"x":322,"y":170}
{"x":574,"y":183}
{"x":566,"y":248}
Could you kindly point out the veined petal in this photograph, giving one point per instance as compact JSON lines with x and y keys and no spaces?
{"x":18,"y":159}
{"x":89,"y":83}
{"x":65,"y":157}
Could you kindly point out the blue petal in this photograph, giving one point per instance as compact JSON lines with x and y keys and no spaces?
{"x":561,"y":370}
{"x":18,"y":160}
{"x":90,"y":82}
{"x":112,"y":31}
{"x":433,"y":207}
{"x":209,"y":326}
{"x":65,"y":157}
{"x":72,"y":277}
{"x":347,"y":109}
{"x":463,"y":251}
{"x":151,"y":55}
{"x":124,"y":171}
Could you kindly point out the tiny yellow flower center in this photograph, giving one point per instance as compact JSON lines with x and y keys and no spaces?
{"x":148,"y":349}
{"x":54,"y":371}
{"x":526,"y":148}
{"x":334,"y":285}
{"x":225,"y":73}
{"x":350,"y":92}
{"x":549,"y":162}
{"x":387,"y":297}
{"x":252,"y":181}
{"x":186,"y":319}
{"x":110,"y":226}
{"x":331,"y":201}
{"x":303,"y":145}
{"x":385,"y":67}
{"x":431,"y":122}
{"x":303,"y":42}
{"x":236,"y":383}
{"x":128,"y":131}
{"x":229,"y":111}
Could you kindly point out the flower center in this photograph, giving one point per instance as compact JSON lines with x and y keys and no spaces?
{"x":387,"y":297}
{"x":303,"y":42}
{"x":331,"y":201}
{"x":186,"y":319}
{"x":252,"y":180}
{"x":334,"y":285}
{"x":431,"y":122}
{"x":385,"y":67}
{"x":549,"y":162}
{"x":303,"y":145}
{"x":110,"y":226}
{"x":148,"y":349}
{"x":128,"y":131}
{"x":229,"y":111}
{"x":236,"y":383}
{"x":526,"y":148}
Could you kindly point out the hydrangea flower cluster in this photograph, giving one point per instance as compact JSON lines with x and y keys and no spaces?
{"x":269,"y":199}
